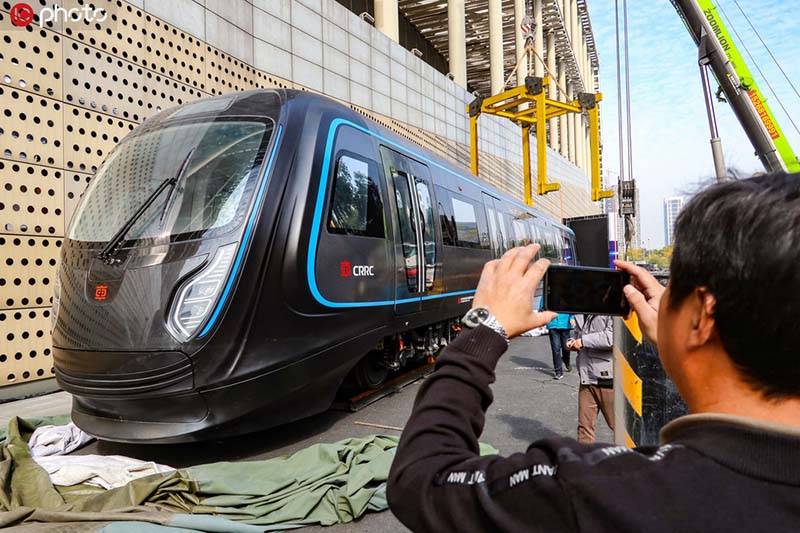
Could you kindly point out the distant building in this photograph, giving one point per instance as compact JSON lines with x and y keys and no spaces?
{"x":672,"y":206}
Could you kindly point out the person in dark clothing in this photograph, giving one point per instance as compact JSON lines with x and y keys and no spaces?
{"x":726,"y":328}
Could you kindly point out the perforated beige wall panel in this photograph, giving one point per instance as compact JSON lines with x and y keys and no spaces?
{"x":25,"y":352}
{"x":27,"y":270}
{"x":162,"y":92}
{"x":90,"y":136}
{"x":68,"y":94}
{"x":30,"y":127}
{"x":31,"y":60}
{"x":32,"y":199}
{"x":100,"y":82}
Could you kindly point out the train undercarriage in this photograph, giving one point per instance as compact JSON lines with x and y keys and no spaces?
{"x":402,"y":350}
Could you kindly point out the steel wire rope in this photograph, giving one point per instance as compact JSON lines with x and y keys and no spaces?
{"x":620,"y":133}
{"x":758,"y":68}
{"x":627,"y":88}
{"x":766,"y":47}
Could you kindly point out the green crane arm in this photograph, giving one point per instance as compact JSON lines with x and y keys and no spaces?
{"x":742,"y":92}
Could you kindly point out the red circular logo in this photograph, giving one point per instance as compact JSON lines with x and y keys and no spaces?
{"x":21,"y":14}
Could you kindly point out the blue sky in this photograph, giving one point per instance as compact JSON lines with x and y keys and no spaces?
{"x":671,"y":153}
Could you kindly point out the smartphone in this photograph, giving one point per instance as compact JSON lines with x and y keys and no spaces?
{"x":586,"y":290}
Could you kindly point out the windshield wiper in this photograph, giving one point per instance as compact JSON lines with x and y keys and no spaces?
{"x":106,"y":255}
{"x":174,"y":186}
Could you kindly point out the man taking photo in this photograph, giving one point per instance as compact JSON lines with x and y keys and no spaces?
{"x":726,"y":328}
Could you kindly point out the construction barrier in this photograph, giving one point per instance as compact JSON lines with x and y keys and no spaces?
{"x":645,"y":399}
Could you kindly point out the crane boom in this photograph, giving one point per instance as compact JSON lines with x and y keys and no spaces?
{"x":738,"y":85}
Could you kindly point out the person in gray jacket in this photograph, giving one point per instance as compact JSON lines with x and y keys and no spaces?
{"x":594,"y":340}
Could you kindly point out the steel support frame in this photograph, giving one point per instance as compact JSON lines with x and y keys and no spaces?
{"x":509,"y":104}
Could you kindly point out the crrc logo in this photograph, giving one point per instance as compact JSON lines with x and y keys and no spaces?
{"x":346,"y":270}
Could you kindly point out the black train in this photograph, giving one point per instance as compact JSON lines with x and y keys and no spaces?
{"x":235,"y":258}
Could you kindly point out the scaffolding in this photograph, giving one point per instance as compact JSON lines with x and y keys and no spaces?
{"x":528,"y":106}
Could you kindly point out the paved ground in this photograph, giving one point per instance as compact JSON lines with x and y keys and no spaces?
{"x":528,"y":405}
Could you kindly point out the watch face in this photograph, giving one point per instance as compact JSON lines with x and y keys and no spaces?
{"x":475,"y":317}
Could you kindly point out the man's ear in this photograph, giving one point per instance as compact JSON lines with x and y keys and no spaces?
{"x":703,"y":327}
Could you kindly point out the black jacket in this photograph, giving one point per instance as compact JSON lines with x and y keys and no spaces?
{"x":711,"y":473}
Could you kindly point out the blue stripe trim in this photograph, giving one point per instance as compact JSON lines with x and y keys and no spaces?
{"x":317,"y":220}
{"x":247,"y":233}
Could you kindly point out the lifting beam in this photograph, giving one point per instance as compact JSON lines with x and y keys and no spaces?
{"x":528,"y":106}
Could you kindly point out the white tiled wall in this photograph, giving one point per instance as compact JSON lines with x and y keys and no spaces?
{"x":322,"y":45}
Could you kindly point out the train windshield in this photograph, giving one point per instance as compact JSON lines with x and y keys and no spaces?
{"x":210,"y":169}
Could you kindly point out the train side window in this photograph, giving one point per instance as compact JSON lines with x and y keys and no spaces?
{"x":356,"y":206}
{"x":408,"y":229}
{"x":494,"y":231}
{"x":465,"y":216}
{"x":428,"y":235}
{"x":550,"y":250}
{"x":448,"y":226}
{"x":446,"y":220}
{"x":520,"y":233}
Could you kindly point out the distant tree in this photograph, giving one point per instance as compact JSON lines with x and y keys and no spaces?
{"x":636,"y":254}
{"x":660,"y":258}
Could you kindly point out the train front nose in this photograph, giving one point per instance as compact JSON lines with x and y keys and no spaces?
{"x":131,"y":376}
{"x":147,"y":264}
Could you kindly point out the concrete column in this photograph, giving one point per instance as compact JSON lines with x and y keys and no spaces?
{"x":519,"y":40}
{"x":565,"y":12}
{"x":581,"y":142}
{"x":387,"y":18}
{"x":574,"y":30}
{"x":553,"y":90}
{"x":572,"y":129}
{"x":496,"y":45}
{"x":562,"y":120}
{"x":538,"y":39}
{"x":457,"y":41}
{"x":587,"y":144}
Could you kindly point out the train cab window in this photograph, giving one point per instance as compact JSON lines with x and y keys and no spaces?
{"x":356,"y":206}
{"x":468,"y":234}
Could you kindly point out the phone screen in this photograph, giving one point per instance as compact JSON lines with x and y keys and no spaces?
{"x":586,"y":290}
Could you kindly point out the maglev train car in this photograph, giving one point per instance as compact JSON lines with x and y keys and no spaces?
{"x":236,"y":258}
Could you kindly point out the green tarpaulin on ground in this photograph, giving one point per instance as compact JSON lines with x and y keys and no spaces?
{"x":324,"y":484}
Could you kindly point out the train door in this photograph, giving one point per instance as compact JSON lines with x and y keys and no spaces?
{"x":417,"y":258}
{"x":496,"y":233}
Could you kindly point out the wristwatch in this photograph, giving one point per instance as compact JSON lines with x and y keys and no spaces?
{"x":482,"y":316}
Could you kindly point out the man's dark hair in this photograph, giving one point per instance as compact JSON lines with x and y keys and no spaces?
{"x":741,"y":240}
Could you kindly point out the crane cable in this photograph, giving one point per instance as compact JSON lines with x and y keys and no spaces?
{"x":623,"y":142}
{"x":767,"y":48}
{"x":627,"y":86}
{"x":752,"y":59}
{"x":619,"y":100}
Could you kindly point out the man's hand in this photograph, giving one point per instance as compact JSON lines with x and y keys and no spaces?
{"x":507,"y":286}
{"x":574,"y":345}
{"x":644,"y":295}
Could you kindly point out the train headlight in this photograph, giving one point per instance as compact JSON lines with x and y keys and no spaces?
{"x":56,"y":298}
{"x":196,"y":298}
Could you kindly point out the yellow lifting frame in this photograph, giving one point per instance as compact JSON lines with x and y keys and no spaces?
{"x":528,"y":106}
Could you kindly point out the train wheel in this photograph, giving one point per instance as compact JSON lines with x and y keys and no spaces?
{"x":370,"y":372}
